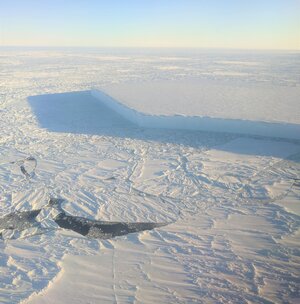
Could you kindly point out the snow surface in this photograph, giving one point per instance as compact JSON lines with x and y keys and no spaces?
{"x":232,"y":199}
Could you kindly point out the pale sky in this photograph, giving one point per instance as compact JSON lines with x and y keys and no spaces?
{"x":250,"y":24}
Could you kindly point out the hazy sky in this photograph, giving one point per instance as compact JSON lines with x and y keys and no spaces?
{"x":254,"y":24}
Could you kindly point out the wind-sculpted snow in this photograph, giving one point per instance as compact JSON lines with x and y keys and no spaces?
{"x":232,"y":199}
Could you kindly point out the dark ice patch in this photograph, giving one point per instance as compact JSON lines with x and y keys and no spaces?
{"x":27,"y":166}
{"x":87,"y":227}
{"x":19,"y":220}
{"x":101,"y":229}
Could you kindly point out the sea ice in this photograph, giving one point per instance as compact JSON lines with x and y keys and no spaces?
{"x":232,"y":198}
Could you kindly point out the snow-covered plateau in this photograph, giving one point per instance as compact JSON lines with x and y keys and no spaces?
{"x":205,"y":143}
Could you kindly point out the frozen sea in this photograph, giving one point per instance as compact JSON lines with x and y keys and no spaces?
{"x":205,"y":140}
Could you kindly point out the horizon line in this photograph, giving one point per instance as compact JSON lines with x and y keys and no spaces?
{"x":149,"y":47}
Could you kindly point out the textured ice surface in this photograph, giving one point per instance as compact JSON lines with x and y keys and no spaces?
{"x":233,"y":198}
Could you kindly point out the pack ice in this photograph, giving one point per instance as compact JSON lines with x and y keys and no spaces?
{"x":205,"y":141}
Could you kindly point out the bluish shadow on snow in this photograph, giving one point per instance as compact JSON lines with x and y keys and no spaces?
{"x":94,"y":112}
{"x":75,"y":112}
{"x":82,"y":113}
